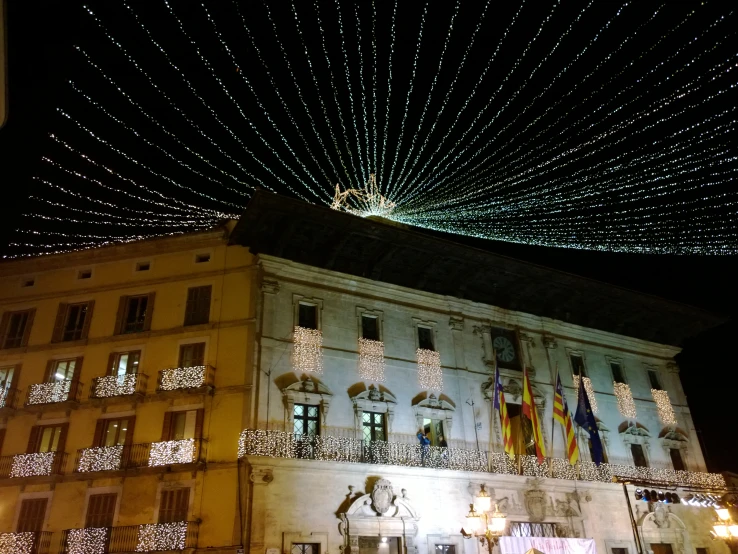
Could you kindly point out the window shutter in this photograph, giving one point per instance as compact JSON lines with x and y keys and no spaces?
{"x":199,"y":418}
{"x":49,"y":370}
{"x":111,"y":364}
{"x":56,"y":336}
{"x":131,"y":427}
{"x":120,"y":315}
{"x":166,"y":428}
{"x":99,"y":428}
{"x":15,"y":381}
{"x":33,"y":439}
{"x":77,"y":368}
{"x":88,"y":319}
{"x":62,"y":437}
{"x":4,"y":328}
{"x":27,"y":330}
{"x":149,"y":311}
{"x":2,"y":438}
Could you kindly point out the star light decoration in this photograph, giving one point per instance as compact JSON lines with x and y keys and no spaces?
{"x":626,"y":405}
{"x":32,"y":465}
{"x":664,"y":407}
{"x":590,"y":392}
{"x":115,"y":385}
{"x":162,"y":536}
{"x":18,"y":543}
{"x":371,"y":360}
{"x":182,"y":377}
{"x":90,"y":540}
{"x":102,"y":458}
{"x":430,"y":374}
{"x":172,"y":452}
{"x":49,"y":393}
{"x":307,"y":354}
{"x":363,"y":202}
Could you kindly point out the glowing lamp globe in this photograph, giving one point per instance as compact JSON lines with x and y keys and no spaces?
{"x":473,"y":521}
{"x":484,"y":500}
{"x":723,"y":514}
{"x":721,"y":530}
{"x":497,"y":522}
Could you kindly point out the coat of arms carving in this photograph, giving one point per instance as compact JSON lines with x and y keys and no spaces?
{"x":382,"y":496}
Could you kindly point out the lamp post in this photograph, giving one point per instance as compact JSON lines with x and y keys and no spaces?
{"x":725,"y":529}
{"x":482,"y":525}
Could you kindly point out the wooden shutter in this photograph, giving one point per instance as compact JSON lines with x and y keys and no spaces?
{"x":100,"y":510}
{"x":32,"y":515}
{"x":199,"y":418}
{"x":166,"y":430}
{"x":62,"y":437}
{"x":88,"y":319}
{"x":33,"y":439}
{"x":2,"y":438}
{"x":61,"y":315}
{"x":97,"y":439}
{"x":111,"y":364}
{"x":15,"y":381}
{"x":149,"y":311}
{"x":131,"y":427}
{"x":122,"y":303}
{"x":77,"y":368}
{"x":50,"y":365}
{"x":27,"y":330}
{"x":4,"y":328}
{"x":174,"y":505}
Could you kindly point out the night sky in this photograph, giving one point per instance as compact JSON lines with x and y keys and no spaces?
{"x":42,"y":59}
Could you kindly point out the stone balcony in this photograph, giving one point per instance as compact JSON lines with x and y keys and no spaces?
{"x":280,"y":444}
{"x":130,"y":456}
{"x":27,"y":542}
{"x":148,"y":537}
{"x":112,"y":386}
{"x":186,"y":378}
{"x":56,"y":392}
{"x":37,"y":464}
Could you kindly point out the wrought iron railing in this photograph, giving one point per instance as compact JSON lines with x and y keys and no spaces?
{"x":148,"y":537}
{"x":32,"y":465}
{"x":53,"y":392}
{"x":526,"y":529}
{"x":110,"y":386}
{"x":155,"y":454}
{"x":8,"y":397}
{"x":280,"y":444}
{"x":182,"y":378}
{"x":25,"y":542}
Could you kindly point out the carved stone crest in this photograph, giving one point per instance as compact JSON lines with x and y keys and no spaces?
{"x":382,"y":496}
{"x":535,"y":501}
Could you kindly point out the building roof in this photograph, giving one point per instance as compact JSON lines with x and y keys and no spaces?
{"x":321,"y":237}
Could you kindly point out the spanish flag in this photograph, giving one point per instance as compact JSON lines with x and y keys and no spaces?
{"x":500,"y":405}
{"x":529,"y":411}
{"x":562,"y":415}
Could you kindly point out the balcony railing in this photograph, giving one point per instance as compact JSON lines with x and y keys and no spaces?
{"x":280,"y":444}
{"x":155,"y":454}
{"x":32,"y":465}
{"x":131,"y":538}
{"x":8,"y":397}
{"x":182,"y":378}
{"x":26,"y":542}
{"x":110,"y":386}
{"x":54,"y":392}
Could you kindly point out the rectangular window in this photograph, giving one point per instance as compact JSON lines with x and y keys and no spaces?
{"x":143,"y":266}
{"x":676,"y":459}
{"x":305,"y":548}
{"x":174,"y":505}
{"x":653,"y":379}
{"x":307,"y":316}
{"x":32,"y":515}
{"x":192,"y":354}
{"x":100,"y":510}
{"x":48,"y":438}
{"x":6,"y":381}
{"x":84,"y":274}
{"x":577,"y":365}
{"x":202,"y":258}
{"x":701,"y":551}
{"x":369,"y":327}
{"x":134,"y":320}
{"x":62,"y":370}
{"x":617,"y":372}
{"x":373,"y":426}
{"x":198,"y":305}
{"x":125,"y":363}
{"x":425,"y":338}
{"x":183,"y":425}
{"x":73,"y":322}
{"x":639,"y":457}
{"x":445,"y":549}
{"x":307,"y":420}
{"x":114,"y":432}
{"x":16,"y":328}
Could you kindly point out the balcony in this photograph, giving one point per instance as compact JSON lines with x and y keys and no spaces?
{"x":8,"y":397}
{"x":27,"y":542}
{"x":111,"y":386}
{"x":155,"y":454}
{"x":151,"y":537}
{"x":279,"y":444}
{"x":32,"y":465}
{"x":185,"y":378}
{"x":55,"y":392}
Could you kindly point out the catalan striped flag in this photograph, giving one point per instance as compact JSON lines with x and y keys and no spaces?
{"x":500,"y":405}
{"x":529,"y":411}
{"x":562,"y":414}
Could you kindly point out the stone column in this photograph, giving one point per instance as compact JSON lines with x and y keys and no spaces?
{"x":259,"y":479}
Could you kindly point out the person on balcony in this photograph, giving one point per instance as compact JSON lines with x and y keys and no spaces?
{"x":424,"y":445}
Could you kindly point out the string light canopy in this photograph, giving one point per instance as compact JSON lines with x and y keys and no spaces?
{"x":307,"y":352}
{"x":430,"y":374}
{"x":610,"y":127}
{"x":371,"y":360}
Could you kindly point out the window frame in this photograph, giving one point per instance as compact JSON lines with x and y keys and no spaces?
{"x":298,"y":299}
{"x":306,"y":418}
{"x":163,"y":492}
{"x":62,"y":322}
{"x":203,"y":312}
{"x":431,"y":337}
{"x":46,"y":497}
{"x":372,"y":426}
{"x":643,"y":452}
{"x":191,"y":344}
{"x":654,"y":377}
{"x":139,"y":323}
{"x":21,"y":337}
{"x":571,"y":354}
{"x":114,"y":362}
{"x":112,"y":514}
{"x":618,"y":362}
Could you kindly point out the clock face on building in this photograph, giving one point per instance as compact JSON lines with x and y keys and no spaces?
{"x":504,"y":348}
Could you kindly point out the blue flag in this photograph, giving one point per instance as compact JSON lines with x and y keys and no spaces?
{"x":586,"y":420}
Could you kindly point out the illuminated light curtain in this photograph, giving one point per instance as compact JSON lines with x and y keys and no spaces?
{"x":30,"y":465}
{"x":663,"y":405}
{"x":307,"y":355}
{"x":115,"y":385}
{"x":626,"y":405}
{"x":91,"y":540}
{"x":162,"y":536}
{"x":102,"y":458}
{"x":590,"y":392}
{"x":172,"y":452}
{"x":182,"y":378}
{"x":18,"y":543}
{"x":371,"y":360}
{"x":430,"y":375}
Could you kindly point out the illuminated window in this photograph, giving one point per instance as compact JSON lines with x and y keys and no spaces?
{"x":47,"y":438}
{"x":192,"y":354}
{"x":15,"y":328}
{"x":100,"y":510}
{"x":307,"y":316}
{"x":577,"y":365}
{"x":373,"y":426}
{"x":425,"y":338}
{"x":182,"y":425}
{"x":62,"y":370}
{"x":6,"y":382}
{"x":369,"y":327}
{"x":124,"y":363}
{"x":306,"y":420}
{"x":32,"y":515}
{"x":174,"y":505}
{"x":197,"y":310}
{"x":114,"y":432}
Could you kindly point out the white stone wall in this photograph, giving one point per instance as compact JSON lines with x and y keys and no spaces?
{"x":462,"y":358}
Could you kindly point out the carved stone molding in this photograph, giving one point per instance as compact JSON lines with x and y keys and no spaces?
{"x":270,"y":286}
{"x":549,"y":342}
{"x":672,"y":367}
{"x":307,"y":391}
{"x":374,"y":400}
{"x":456,"y":323}
{"x":262,"y":476}
{"x":432,"y":407}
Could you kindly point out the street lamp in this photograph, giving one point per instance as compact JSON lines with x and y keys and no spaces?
{"x":482,"y":525}
{"x":725,"y":529}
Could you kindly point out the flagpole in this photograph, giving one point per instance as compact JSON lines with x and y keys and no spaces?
{"x":492,"y":426}
{"x":553,"y":421}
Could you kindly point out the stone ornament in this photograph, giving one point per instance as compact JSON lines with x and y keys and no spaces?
{"x":382,"y":496}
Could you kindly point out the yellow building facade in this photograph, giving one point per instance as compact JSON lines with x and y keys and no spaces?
{"x":125,"y":380}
